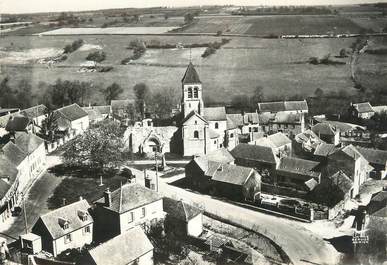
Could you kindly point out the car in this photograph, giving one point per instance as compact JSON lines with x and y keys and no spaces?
{"x":17,"y":211}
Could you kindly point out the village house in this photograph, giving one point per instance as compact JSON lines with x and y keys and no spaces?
{"x":255,"y":156}
{"x":27,"y":152}
{"x":9,"y":188}
{"x":323,"y":151}
{"x":328,"y":133}
{"x":235,"y":182}
{"x":377,"y":159}
{"x":350,"y":133}
{"x":279,"y":142}
{"x":72,"y":118}
{"x":232,"y":134}
{"x":36,"y":114}
{"x":306,"y":143}
{"x":97,"y":113}
{"x":298,"y":173}
{"x":130,"y":248}
{"x":349,"y":160}
{"x":288,"y":123}
{"x":293,"y":107}
{"x":19,"y":123}
{"x":217,"y":121}
{"x":68,"y":227}
{"x":120,"y":210}
{"x":247,"y":123}
{"x":362,"y":110}
{"x":182,"y":219}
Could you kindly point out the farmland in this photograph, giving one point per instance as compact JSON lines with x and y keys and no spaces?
{"x":278,"y":65}
{"x":109,"y":31}
{"x":275,"y":25}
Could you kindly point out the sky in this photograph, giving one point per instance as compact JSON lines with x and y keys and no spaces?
{"x":32,"y":6}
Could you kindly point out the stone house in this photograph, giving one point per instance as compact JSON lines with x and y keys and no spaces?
{"x":131,"y":205}
{"x":362,"y":110}
{"x":131,"y":247}
{"x":72,"y":118}
{"x":352,"y":163}
{"x":293,"y":107}
{"x":306,"y":143}
{"x":328,"y":133}
{"x":68,"y":227}
{"x":247,"y":123}
{"x":377,"y":159}
{"x":288,"y":123}
{"x":182,"y":219}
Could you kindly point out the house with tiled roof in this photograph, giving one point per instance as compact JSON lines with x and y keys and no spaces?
{"x":255,"y":156}
{"x":350,"y":161}
{"x":299,"y":173}
{"x":377,"y":159}
{"x":68,"y":227}
{"x":297,"y":106}
{"x":72,"y":118}
{"x":37,"y":114}
{"x":306,"y":143}
{"x":182,"y":218}
{"x":362,"y":110}
{"x":19,"y":123}
{"x":279,"y":142}
{"x":27,"y":152}
{"x":122,"y":209}
{"x":9,"y":187}
{"x":131,"y":247}
{"x":288,"y":123}
{"x":327,"y":132}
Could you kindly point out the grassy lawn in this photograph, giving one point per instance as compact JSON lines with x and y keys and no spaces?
{"x":78,"y":183}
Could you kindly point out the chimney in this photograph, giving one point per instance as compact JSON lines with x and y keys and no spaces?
{"x":80,"y":198}
{"x":108,"y":197}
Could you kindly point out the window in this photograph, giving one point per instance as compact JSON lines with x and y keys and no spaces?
{"x":66,"y":226}
{"x":86,"y":230}
{"x":143,"y":212}
{"x":196,"y":122}
{"x":196,"y":92}
{"x":249,"y":129}
{"x":190,"y":92}
{"x":231,"y":135}
{"x":216,"y":125}
{"x":131,"y":217}
{"x":67,"y":238}
{"x":196,"y":134}
{"x":255,"y":129}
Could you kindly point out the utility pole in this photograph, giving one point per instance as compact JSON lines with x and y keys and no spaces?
{"x":157,"y":171}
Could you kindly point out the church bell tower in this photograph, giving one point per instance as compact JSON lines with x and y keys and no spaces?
{"x":191,"y":92}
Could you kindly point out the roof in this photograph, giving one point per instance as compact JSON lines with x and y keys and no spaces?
{"x":373,"y":156}
{"x":28,"y":142}
{"x":7,"y":111}
{"x":70,"y":213}
{"x":344,"y":126}
{"x":279,"y":139}
{"x":7,"y":170}
{"x":191,"y":76}
{"x":308,"y":137}
{"x":325,"y":149}
{"x":101,"y":109}
{"x":191,"y":114}
{"x":299,"y":166}
{"x":232,"y":174}
{"x":93,"y":114}
{"x":352,"y":152}
{"x":311,"y":184}
{"x":17,"y":123}
{"x":221,"y":155}
{"x":231,"y":124}
{"x":234,"y":119}
{"x":363,"y":107}
{"x":277,"y":106}
{"x":72,"y":112}
{"x":14,"y":153}
{"x":35,"y":111}
{"x":180,"y":209}
{"x":129,"y":197}
{"x":251,"y":118}
{"x":324,"y":129}
{"x":122,"y":249}
{"x":285,"y":117}
{"x":214,"y":113}
{"x":255,"y":153}
{"x":342,"y":181}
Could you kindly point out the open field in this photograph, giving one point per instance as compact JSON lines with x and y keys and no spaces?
{"x":109,"y":31}
{"x":275,"y":25}
{"x":278,"y":65}
{"x":376,"y":24}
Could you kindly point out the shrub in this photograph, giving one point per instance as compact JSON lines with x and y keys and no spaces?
{"x":208,"y":52}
{"x":97,"y":56}
{"x":74,"y":46}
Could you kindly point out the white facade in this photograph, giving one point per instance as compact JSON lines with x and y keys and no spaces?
{"x":75,"y":239}
{"x":195,"y":226}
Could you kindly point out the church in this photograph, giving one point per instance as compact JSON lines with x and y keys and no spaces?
{"x":201,"y":130}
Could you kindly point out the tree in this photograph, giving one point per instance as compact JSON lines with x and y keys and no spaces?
{"x":258,"y":95}
{"x":67,"y":92}
{"x":166,"y":16}
{"x":163,"y":102}
{"x":142,"y":95}
{"x":112,"y":92}
{"x":97,"y":56}
{"x":188,"y":18}
{"x":319,"y":93}
{"x":50,"y":125}
{"x":98,"y":147}
{"x":7,"y":98}
{"x":343,"y":53}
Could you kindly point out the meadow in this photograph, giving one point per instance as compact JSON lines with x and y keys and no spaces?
{"x":278,"y":65}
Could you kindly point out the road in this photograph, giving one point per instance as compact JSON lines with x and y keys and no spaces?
{"x":301,"y":245}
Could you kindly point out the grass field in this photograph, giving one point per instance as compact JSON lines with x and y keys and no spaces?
{"x":277,"y":65}
{"x":277,"y":25}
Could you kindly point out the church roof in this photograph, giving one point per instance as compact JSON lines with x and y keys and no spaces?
{"x":214,"y":113}
{"x":190,"y":76}
{"x":191,"y":114}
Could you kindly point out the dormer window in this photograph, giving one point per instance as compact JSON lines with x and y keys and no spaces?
{"x":64,"y":223}
{"x":83,"y":215}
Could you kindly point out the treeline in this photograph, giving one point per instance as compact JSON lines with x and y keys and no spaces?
{"x":20,"y":96}
{"x":284,"y":10}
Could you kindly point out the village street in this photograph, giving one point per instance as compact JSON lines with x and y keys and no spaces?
{"x":301,"y":245}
